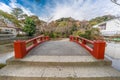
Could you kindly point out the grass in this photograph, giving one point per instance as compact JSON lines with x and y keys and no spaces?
{"x":2,"y":65}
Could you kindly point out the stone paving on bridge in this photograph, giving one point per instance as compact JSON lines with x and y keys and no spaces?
{"x":59,"y":48}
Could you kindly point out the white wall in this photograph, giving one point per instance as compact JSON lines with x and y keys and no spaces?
{"x":112,"y":27}
{"x":11,"y":30}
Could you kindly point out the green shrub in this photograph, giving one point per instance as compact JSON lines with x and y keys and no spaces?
{"x":30,"y":27}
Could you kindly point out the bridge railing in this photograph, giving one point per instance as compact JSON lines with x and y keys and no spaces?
{"x":96,"y":47}
{"x":22,"y":47}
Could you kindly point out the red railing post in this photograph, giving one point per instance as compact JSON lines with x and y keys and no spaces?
{"x":99,"y":49}
{"x":83,"y":41}
{"x":70,"y":37}
{"x":35,"y":42}
{"x":41,"y":39}
{"x":47,"y":37}
{"x":44,"y":38}
{"x":73,"y":38}
{"x":19,"y":49}
{"x":77,"y":39}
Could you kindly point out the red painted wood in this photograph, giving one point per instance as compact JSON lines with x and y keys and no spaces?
{"x":20,"y":48}
{"x":98,"y":49}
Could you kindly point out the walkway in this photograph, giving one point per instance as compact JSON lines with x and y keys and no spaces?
{"x":59,"y":48}
{"x":59,"y":60}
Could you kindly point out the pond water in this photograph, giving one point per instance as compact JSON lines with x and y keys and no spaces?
{"x":115,"y":62}
{"x":6,"y":56}
{"x":113,"y":50}
{"x":113,"y":53}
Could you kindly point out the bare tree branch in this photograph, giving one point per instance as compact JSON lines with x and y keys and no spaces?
{"x":116,"y":2}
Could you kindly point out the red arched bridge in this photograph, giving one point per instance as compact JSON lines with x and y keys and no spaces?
{"x":96,"y":48}
{"x":66,"y":59}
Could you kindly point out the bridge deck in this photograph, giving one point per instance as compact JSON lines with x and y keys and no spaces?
{"x":59,"y":48}
{"x":59,"y":60}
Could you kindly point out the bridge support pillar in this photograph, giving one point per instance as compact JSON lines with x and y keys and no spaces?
{"x":19,"y":49}
{"x":99,"y":49}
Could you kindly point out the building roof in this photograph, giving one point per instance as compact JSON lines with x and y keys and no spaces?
{"x":108,"y":21}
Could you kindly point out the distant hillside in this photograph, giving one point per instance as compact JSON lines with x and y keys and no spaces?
{"x":10,"y":18}
{"x":68,"y":26}
{"x":98,"y":20}
{"x":62,"y":27}
{"x":2,"y":23}
{"x":67,"y":23}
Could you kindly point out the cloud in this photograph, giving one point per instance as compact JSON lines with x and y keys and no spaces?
{"x":55,"y":9}
{"x":82,"y":9}
{"x":5,"y":7}
{"x":13,"y":4}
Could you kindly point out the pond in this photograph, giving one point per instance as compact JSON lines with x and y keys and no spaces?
{"x":6,"y":56}
{"x":113,"y":53}
{"x":115,"y":62}
{"x":5,"y":48}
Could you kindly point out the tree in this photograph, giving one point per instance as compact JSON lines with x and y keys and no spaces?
{"x":36,"y":19}
{"x":17,"y":12}
{"x":116,"y":2}
{"x":30,"y":27}
{"x":24,"y":16}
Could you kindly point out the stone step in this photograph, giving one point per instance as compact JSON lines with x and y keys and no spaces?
{"x":18,"y":72}
{"x":59,"y":61}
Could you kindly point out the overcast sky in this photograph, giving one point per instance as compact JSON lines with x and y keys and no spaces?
{"x":55,"y":9}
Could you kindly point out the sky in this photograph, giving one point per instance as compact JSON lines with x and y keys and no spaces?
{"x":49,"y":10}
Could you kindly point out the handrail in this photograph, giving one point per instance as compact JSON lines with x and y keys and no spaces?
{"x":30,"y":40}
{"x":89,"y":41}
{"x":97,"y":49}
{"x":21,"y":47}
